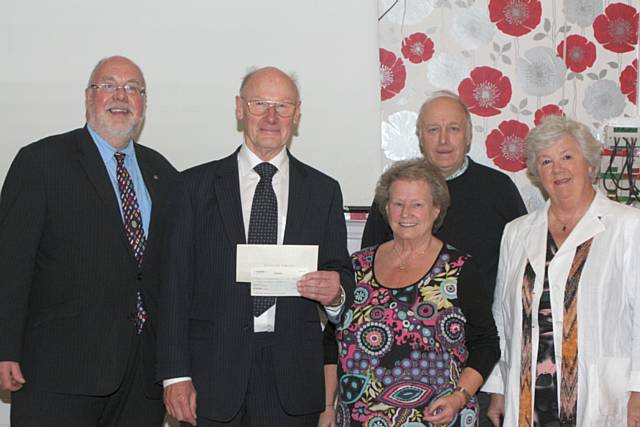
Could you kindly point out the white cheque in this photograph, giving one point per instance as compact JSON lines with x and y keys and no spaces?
{"x":276,"y":281}
{"x":273,"y":270}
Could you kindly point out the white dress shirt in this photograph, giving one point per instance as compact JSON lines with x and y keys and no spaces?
{"x":249,"y":179}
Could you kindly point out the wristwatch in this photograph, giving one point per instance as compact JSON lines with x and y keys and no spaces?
{"x":343,"y":298}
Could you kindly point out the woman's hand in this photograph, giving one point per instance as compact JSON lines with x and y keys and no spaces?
{"x":328,"y":417}
{"x":443,"y":410}
{"x":633,"y":409}
{"x":496,"y":409}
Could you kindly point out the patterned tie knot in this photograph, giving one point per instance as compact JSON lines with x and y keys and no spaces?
{"x":266,"y":170}
{"x":120,"y":157}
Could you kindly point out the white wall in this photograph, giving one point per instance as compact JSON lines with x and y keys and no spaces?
{"x":193,"y":54}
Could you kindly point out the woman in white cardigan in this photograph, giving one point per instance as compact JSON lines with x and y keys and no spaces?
{"x":567,"y":299}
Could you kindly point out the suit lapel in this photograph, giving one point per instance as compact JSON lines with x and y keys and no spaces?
{"x":151,"y":179}
{"x":97,"y":173}
{"x":227,"y":191}
{"x":298,"y":202}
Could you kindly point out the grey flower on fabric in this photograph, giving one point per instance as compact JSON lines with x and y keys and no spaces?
{"x":472,"y":28}
{"x":582,"y":12}
{"x":416,"y":11}
{"x":540,"y":72}
{"x":603,"y":100}
{"x":399,"y":140}
{"x":446,"y":70}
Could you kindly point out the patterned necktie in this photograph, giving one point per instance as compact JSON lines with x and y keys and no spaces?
{"x":132,"y":219}
{"x":263,"y":223}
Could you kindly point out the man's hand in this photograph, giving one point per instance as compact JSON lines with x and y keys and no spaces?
{"x":180,"y":400}
{"x":495,"y":411}
{"x":321,"y":286}
{"x":11,"y":378}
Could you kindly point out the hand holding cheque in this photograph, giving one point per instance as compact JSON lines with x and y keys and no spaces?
{"x":286,"y":270}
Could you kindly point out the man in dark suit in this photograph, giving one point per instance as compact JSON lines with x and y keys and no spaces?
{"x":81,"y":224}
{"x":224,"y":359}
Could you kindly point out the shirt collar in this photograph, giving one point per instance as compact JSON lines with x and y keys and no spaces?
{"x":460,"y":171}
{"x":107,"y":150}
{"x":247,"y":160}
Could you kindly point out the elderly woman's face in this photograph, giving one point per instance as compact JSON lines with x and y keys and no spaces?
{"x":564,"y":171}
{"x":410,"y":209}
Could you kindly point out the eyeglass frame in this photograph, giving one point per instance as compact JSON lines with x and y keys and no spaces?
{"x":272,"y":104}
{"x":126,"y":88}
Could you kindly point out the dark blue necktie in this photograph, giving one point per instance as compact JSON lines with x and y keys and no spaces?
{"x":263,"y":223}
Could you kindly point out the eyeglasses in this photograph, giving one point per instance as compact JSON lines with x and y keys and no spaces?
{"x":260,"y":107}
{"x":128,"y":88}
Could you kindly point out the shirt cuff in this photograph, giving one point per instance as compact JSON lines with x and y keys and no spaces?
{"x":494,"y":383}
{"x":170,"y":381}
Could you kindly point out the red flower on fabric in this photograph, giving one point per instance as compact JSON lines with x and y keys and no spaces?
{"x":417,"y":48}
{"x":547,"y":110}
{"x":515,"y":17}
{"x":617,"y":28}
{"x":505,"y":145}
{"x":629,"y":81}
{"x":581,"y":53}
{"x":392,"y":74}
{"x":485,"y":91}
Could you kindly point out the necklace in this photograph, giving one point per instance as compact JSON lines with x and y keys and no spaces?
{"x":403,"y":260}
{"x":563,"y":225}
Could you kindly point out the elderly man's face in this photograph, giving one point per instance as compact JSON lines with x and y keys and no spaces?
{"x":266,"y":134}
{"x":115,"y":116}
{"x":445,"y":134}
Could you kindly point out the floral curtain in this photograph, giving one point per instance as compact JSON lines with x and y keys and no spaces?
{"x":512,"y":62}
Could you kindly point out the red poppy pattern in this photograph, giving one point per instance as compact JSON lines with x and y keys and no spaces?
{"x":581,"y":53}
{"x":513,"y":63}
{"x":629,"y":81}
{"x":547,"y":110}
{"x":417,"y":48}
{"x":515,"y":17}
{"x":392,"y":74}
{"x":617,"y":28}
{"x":485,"y":91}
{"x":505,"y":145}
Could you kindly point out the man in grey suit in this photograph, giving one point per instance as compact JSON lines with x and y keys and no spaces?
{"x":225,"y":358}
{"x":81,"y":224}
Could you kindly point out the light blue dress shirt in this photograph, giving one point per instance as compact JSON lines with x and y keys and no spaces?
{"x":131,"y":163}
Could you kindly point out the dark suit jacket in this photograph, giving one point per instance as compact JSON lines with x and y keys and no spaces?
{"x":206,"y":329}
{"x":69,"y":278}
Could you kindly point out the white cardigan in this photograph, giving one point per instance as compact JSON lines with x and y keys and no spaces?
{"x":608,"y":308}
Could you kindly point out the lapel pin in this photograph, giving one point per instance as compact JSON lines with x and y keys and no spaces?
{"x":156,"y":177}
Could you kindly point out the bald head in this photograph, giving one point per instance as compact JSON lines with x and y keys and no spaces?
{"x":115,"y":59}
{"x":272,"y":74}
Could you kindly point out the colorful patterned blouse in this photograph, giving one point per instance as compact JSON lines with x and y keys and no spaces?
{"x":401,"y":349}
